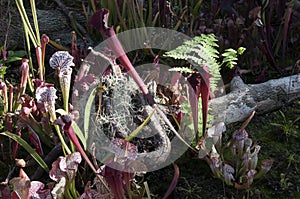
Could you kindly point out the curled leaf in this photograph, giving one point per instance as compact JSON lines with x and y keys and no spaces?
{"x":28,"y":148}
{"x":65,"y":166}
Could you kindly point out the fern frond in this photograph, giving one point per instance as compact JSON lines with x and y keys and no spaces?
{"x":230,"y":56}
{"x":203,"y":51}
{"x":200,"y":51}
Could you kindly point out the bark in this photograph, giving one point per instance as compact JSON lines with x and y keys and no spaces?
{"x":245,"y":98}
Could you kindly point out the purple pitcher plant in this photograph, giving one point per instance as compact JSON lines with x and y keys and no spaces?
{"x":236,"y":163}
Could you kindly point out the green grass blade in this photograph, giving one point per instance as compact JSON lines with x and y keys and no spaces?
{"x":296,"y":120}
{"x":87,"y":111}
{"x":35,"y":21}
{"x":124,"y":9}
{"x":150,"y":10}
{"x":122,"y":22}
{"x":26,"y":23}
{"x":93,"y":6}
{"x":197,"y":7}
{"x":30,"y":59}
{"x":28,"y":148}
{"x":139,"y":128}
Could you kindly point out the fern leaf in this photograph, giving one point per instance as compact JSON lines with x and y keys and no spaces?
{"x":200,"y":51}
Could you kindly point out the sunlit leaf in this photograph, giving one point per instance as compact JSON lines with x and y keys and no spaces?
{"x":16,"y":53}
{"x":10,"y":59}
{"x":79,"y":134}
{"x":27,"y":26}
{"x":241,"y":50}
{"x":87,"y":111}
{"x":230,"y":57}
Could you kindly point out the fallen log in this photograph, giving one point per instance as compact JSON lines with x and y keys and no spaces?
{"x":243,"y":98}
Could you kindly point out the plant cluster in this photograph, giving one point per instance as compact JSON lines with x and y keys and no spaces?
{"x":33,"y":118}
{"x":288,"y":127}
{"x":202,"y":54}
{"x":32,"y":122}
{"x":236,"y":162}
